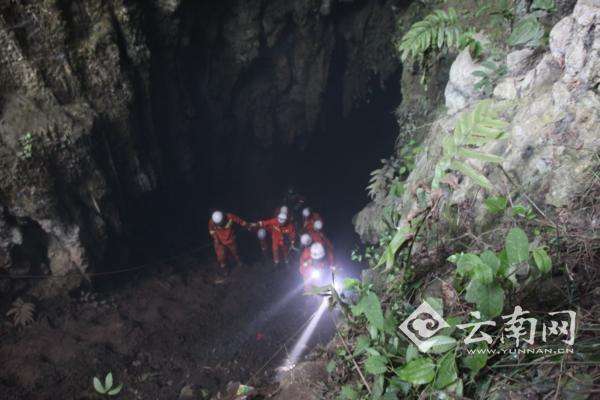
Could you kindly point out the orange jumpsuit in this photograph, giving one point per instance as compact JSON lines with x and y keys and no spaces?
{"x":278,"y":236}
{"x":309,"y":222}
{"x":318,"y":236}
{"x":307,"y":264}
{"x":224,"y":238}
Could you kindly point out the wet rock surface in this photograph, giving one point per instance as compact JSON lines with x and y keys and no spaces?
{"x":123,"y":118}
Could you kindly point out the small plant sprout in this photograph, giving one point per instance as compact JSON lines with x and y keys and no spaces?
{"x":21,"y":312}
{"x":26,"y":143}
{"x":107,"y":388}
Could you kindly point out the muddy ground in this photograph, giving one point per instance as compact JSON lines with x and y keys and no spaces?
{"x":158,"y":331}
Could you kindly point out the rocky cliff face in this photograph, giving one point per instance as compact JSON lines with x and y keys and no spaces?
{"x":73,"y":112}
{"x":122,"y":117}
{"x":551,"y":101}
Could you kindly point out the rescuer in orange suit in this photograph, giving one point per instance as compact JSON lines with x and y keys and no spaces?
{"x":221,"y":229}
{"x":313,"y":264}
{"x":308,"y":219}
{"x":281,"y":230}
{"x":318,"y":236}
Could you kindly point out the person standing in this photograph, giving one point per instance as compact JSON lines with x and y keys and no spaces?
{"x":308,"y":219}
{"x":283,"y":236}
{"x":318,"y":236}
{"x":221,"y":228}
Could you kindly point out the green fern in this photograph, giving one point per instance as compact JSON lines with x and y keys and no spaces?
{"x":473,"y":129}
{"x":381,"y":178}
{"x":437,"y":30}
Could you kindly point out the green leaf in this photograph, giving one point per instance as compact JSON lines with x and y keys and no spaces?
{"x":116,"y":390}
{"x":489,"y":65}
{"x":527,"y":31}
{"x":470,"y":264}
{"x":376,"y":365}
{"x":419,"y":371}
{"x":449,"y":146}
{"x":480,"y":73}
{"x":517,"y":246}
{"x":398,"y":240}
{"x":483,"y":272}
{"x":466,"y":153}
{"x":472,"y":173}
{"x":108,"y":381}
{"x":477,"y":360}
{"x":496,"y":204}
{"x":519,"y":209}
{"x":98,"y":386}
{"x":438,"y":344}
{"x":362,"y":343}
{"x":378,"y":386}
{"x":490,"y":259}
{"x":545,"y":5}
{"x":350,"y":283}
{"x":411,"y":352}
{"x":436,"y":303}
{"x":400,"y":385}
{"x":452,"y":321}
{"x":348,"y":393}
{"x":489,"y":298}
{"x":330,"y":366}
{"x":447,"y":372}
{"x":370,"y":306}
{"x":542,"y":260}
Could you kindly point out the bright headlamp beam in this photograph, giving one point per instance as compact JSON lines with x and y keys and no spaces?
{"x":300,"y":345}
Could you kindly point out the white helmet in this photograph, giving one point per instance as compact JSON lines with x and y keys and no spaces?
{"x":317,"y":251}
{"x":262,"y":233}
{"x":305,"y":239}
{"x":282,"y":218}
{"x":318,"y":225}
{"x":284,"y":209}
{"x":306,"y":212}
{"x":217,"y":217}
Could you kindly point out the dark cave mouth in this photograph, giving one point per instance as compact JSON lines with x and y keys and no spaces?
{"x":331,"y":171}
{"x":231,"y":168}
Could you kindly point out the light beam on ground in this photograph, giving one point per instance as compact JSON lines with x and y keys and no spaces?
{"x":302,"y":342}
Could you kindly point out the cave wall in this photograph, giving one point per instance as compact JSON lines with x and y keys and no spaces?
{"x":123,"y":122}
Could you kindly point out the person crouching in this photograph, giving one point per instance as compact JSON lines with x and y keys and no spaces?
{"x":313,"y":265}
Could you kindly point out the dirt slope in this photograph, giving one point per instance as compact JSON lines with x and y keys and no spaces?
{"x":157,"y":334}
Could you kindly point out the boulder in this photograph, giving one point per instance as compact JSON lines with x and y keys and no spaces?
{"x":460,"y":91}
{"x":520,"y":60}
{"x":506,"y":89}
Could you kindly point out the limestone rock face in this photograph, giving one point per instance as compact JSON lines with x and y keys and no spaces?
{"x":118,"y":118}
{"x":460,"y":91}
{"x":553,"y":137}
{"x":54,"y":96}
{"x":519,"y":60}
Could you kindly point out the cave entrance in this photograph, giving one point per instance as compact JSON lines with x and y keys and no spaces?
{"x":335,"y":168}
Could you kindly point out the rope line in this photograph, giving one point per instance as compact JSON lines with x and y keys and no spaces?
{"x":113,"y":272}
{"x":282,"y":347}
